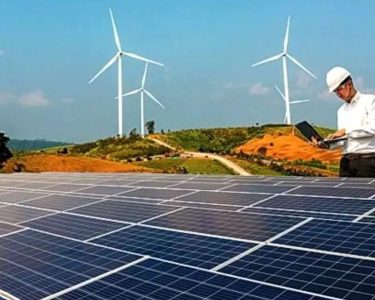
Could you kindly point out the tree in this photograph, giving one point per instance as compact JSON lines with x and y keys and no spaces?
{"x":133,"y":133}
{"x":150,"y":126}
{"x":5,"y":153}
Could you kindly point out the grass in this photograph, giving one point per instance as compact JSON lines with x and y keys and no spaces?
{"x":189,"y":165}
{"x":255,"y":169}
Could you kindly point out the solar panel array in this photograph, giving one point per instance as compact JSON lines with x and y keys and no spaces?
{"x":162,"y":236}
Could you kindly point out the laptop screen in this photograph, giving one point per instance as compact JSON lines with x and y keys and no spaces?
{"x":308,"y":131}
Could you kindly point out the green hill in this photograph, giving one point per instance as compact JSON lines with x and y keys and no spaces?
{"x":32,"y":145}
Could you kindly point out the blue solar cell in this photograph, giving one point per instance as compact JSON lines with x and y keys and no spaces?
{"x":17,"y":214}
{"x":190,"y":249}
{"x":223,"y":198}
{"x":328,"y":275}
{"x":153,"y":279}
{"x":104,"y":190}
{"x":201,"y":186}
{"x":334,"y":192}
{"x":205,"y":205}
{"x":164,"y":194}
{"x":258,"y":188}
{"x":123,"y":210}
{"x":59,"y":202}
{"x":307,"y":214}
{"x":239,"y":225}
{"x":34,"y":265}
{"x":73,"y":226}
{"x":152,"y":183}
{"x":15,"y":197}
{"x":343,"y":237}
{"x":319,"y":204}
{"x":8,"y":228}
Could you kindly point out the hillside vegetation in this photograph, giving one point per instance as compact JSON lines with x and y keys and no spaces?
{"x":119,"y":148}
{"x":275,"y":149}
{"x":216,"y":140}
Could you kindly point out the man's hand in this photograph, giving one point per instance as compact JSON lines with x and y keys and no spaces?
{"x":318,"y":144}
{"x":337,"y":134}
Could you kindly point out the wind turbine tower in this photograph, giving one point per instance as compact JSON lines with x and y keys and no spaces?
{"x":143,"y":91}
{"x":284,"y":55}
{"x":118,"y":57}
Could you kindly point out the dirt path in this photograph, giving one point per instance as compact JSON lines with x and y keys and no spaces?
{"x":226,"y":162}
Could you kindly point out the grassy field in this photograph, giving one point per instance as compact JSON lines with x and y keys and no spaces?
{"x":186,"y":165}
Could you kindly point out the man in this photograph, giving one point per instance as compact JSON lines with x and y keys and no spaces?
{"x":356,"y":120}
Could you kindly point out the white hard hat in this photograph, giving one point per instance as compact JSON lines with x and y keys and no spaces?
{"x":335,"y":77}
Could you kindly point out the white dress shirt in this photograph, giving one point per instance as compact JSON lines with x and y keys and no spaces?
{"x":358,"y":120}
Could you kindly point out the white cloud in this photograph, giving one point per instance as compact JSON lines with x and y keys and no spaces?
{"x":1,"y":52}
{"x":303,"y":79}
{"x":6,"y":97}
{"x":258,"y":89}
{"x":359,"y":83}
{"x":33,"y":98}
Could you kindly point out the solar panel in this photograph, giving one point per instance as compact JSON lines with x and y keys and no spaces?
{"x":171,"y":236}
{"x":319,"y":204}
{"x":14,"y":197}
{"x":223,"y":198}
{"x":328,"y":275}
{"x":336,"y":236}
{"x":17,"y":214}
{"x":104,"y":190}
{"x":8,"y":228}
{"x":35,"y":265}
{"x":299,"y":213}
{"x":258,"y":188}
{"x":59,"y":202}
{"x":123,"y":210}
{"x":163,"y":194}
{"x":154,"y":279}
{"x":335,"y":192}
{"x":77,"y":227}
{"x":245,"y":226}
{"x":186,"y":248}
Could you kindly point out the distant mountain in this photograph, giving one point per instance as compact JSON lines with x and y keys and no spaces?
{"x":31,"y":145}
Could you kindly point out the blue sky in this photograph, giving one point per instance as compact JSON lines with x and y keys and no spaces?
{"x":49,"y":50}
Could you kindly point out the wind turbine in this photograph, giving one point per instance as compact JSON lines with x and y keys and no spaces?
{"x":143,"y":91}
{"x":284,"y":55}
{"x":291,"y":102}
{"x":118,"y":57}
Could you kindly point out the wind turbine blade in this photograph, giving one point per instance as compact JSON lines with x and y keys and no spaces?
{"x":136,"y":56}
{"x":301,"y":66}
{"x":299,"y":101}
{"x":153,"y":98}
{"x":286,"y":39}
{"x":268,"y":60}
{"x":132,"y":92}
{"x":280,"y":92}
{"x":115,"y":33}
{"x":144,"y":75}
{"x":111,"y":61}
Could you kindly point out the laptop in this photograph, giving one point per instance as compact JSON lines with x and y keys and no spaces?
{"x":309,"y":132}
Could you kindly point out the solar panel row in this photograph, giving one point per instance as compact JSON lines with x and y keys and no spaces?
{"x":160,"y":236}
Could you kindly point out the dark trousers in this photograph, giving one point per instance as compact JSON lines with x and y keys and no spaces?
{"x":357,"y":167}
